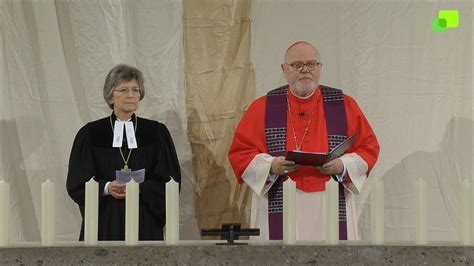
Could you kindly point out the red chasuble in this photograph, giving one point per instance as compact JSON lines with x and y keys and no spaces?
{"x":249,"y":137}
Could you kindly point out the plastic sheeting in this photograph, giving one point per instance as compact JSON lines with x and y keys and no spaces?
{"x":414,"y":85}
{"x":54,"y":59}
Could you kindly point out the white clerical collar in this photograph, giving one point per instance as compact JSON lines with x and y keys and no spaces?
{"x":118,"y":119}
{"x":303,"y":98}
{"x":118,"y":134}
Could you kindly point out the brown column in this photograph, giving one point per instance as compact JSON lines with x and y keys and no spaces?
{"x":220,"y":83}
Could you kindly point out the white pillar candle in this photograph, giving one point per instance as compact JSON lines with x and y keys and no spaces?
{"x":289,"y":212}
{"x":465,"y":213}
{"x":377,"y":212}
{"x":420,"y":212}
{"x":472,"y":211}
{"x":172,"y":213}
{"x":4,"y":213}
{"x":48,"y":213}
{"x":332,"y":212}
{"x":131,"y":213}
{"x":91,"y":213}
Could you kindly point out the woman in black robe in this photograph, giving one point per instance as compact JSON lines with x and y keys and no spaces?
{"x":93,"y":156}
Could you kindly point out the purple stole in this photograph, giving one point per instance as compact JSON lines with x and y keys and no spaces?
{"x":275,"y":135}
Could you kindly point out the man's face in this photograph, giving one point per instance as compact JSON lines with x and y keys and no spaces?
{"x":303,"y":81}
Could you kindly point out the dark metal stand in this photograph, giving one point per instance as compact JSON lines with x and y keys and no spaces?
{"x":230,"y":232}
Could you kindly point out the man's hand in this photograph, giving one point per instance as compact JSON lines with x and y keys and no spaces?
{"x":280,"y":166}
{"x":334,"y":167}
{"x":117,"y":190}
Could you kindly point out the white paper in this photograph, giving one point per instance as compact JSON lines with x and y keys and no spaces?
{"x":125,"y":176}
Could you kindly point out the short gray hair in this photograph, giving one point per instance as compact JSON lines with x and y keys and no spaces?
{"x":121,"y":73}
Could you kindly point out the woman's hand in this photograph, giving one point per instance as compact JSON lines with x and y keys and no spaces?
{"x":117,"y":190}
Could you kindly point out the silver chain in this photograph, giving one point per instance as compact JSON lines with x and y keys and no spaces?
{"x":298,"y":147}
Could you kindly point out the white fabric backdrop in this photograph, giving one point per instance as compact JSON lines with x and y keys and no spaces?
{"x":54,"y":59}
{"x":414,"y":85}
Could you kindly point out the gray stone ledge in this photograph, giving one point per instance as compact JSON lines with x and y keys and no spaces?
{"x":206,"y":253}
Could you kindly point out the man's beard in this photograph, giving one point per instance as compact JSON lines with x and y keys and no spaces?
{"x":303,"y":90}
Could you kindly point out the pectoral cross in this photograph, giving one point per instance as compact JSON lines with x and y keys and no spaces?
{"x":126,"y":169}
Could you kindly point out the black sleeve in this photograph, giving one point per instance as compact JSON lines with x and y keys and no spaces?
{"x":165,"y":166}
{"x":81,"y":167}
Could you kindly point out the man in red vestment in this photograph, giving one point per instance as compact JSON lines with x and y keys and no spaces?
{"x":258,"y":160}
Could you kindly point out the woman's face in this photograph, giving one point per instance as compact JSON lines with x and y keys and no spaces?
{"x":125,"y":97}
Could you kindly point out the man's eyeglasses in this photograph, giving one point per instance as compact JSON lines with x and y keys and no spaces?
{"x":126,"y":90}
{"x":298,"y":66}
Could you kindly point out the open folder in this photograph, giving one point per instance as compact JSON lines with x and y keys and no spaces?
{"x":319,"y":158}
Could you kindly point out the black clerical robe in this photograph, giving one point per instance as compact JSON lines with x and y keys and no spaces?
{"x":92,"y":155}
